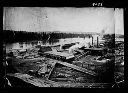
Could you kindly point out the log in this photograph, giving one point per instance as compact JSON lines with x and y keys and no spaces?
{"x":51,"y":70}
{"x":77,"y":68}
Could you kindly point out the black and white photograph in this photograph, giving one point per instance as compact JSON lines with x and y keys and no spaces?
{"x":63,"y":47}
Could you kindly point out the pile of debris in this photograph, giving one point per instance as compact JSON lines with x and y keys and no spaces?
{"x":119,"y":49}
{"x":84,"y":69}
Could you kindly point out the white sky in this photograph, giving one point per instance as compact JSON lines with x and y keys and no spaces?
{"x":64,"y":19}
{"x":119,"y":21}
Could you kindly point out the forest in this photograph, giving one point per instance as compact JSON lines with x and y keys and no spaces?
{"x":10,"y":36}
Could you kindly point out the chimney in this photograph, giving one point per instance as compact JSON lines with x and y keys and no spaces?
{"x":92,"y":40}
{"x":97,"y":41}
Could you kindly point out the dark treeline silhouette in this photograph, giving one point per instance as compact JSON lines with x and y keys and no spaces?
{"x":10,"y":36}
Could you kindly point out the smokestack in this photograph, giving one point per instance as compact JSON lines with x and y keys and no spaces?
{"x":97,"y":41}
{"x":92,"y":40}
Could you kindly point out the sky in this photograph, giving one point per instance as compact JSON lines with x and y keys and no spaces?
{"x":119,"y":21}
{"x":39,"y":19}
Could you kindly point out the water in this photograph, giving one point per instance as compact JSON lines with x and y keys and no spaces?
{"x":26,"y":45}
{"x":119,"y":39}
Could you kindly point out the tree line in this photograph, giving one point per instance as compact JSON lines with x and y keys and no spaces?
{"x":10,"y":36}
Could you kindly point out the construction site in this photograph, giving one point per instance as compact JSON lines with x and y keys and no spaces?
{"x":63,"y":47}
{"x":52,"y":66}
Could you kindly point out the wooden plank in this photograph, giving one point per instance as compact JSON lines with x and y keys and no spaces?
{"x":77,"y":68}
{"x":94,"y":49}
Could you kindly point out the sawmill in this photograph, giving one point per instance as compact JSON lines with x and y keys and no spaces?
{"x":59,"y":64}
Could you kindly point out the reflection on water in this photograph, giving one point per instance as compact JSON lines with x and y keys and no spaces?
{"x":25,"y":45}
